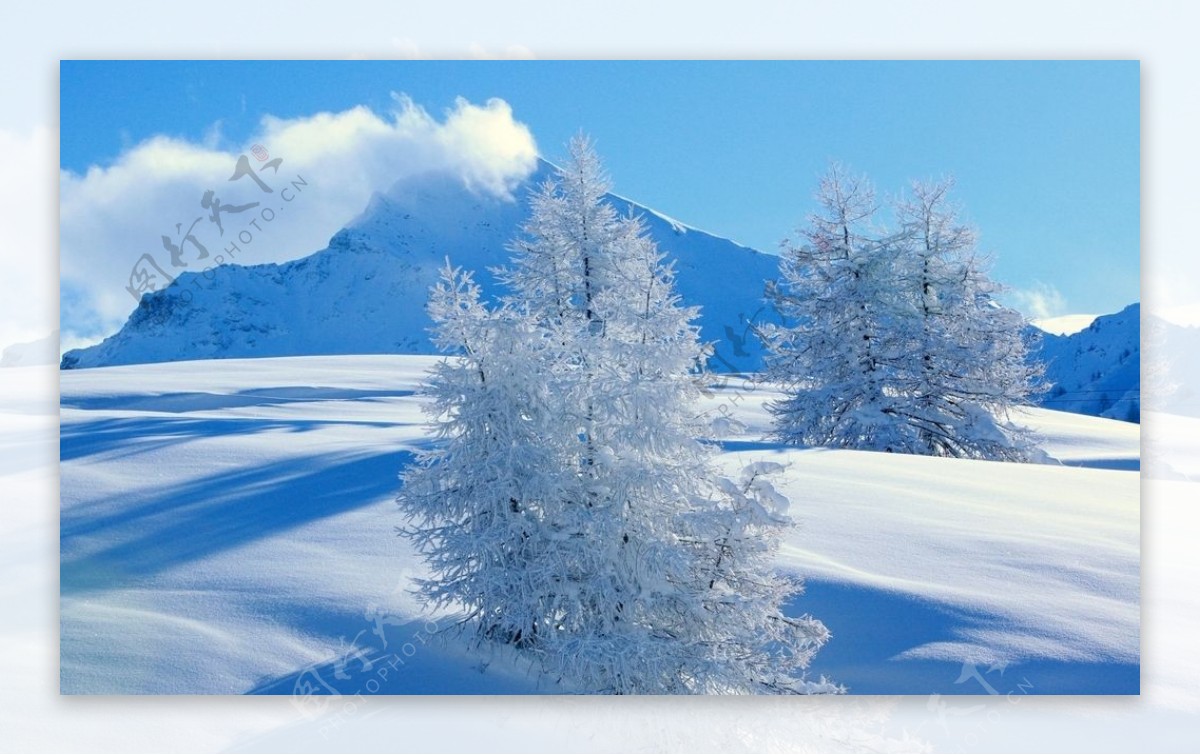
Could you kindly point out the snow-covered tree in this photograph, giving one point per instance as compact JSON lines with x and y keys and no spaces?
{"x":473,"y":500}
{"x":835,"y":351}
{"x":894,"y":341}
{"x":570,"y":508}
{"x":967,"y":366}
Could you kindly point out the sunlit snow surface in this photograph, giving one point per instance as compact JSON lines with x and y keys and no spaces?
{"x":228,"y":526}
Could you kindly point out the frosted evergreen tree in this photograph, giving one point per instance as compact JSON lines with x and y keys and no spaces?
{"x":894,"y":341}
{"x":473,"y":500}
{"x":834,"y":354}
{"x":967,"y":367}
{"x":570,"y":509}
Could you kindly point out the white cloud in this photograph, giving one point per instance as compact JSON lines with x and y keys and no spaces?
{"x":1065,"y":325}
{"x":27,"y":254}
{"x":111,"y":216}
{"x":1041,"y":301}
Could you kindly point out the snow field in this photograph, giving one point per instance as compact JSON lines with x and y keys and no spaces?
{"x":227,"y":525}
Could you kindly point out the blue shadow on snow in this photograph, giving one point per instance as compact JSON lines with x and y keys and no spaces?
{"x":212,"y":514}
{"x":871,"y":626}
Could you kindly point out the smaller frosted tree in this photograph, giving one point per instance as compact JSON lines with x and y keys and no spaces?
{"x":894,"y":341}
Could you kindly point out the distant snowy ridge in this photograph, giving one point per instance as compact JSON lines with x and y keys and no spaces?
{"x":366,"y":292}
{"x":1096,"y":371}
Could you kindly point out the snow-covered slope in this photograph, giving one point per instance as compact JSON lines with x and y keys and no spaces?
{"x":1095,"y":371}
{"x":227,"y":526}
{"x":366,"y":292}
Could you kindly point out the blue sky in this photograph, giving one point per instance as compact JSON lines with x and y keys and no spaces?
{"x":1046,"y":154}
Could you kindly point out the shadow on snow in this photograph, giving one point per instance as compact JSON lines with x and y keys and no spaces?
{"x":211,"y":514}
{"x":871,"y":626}
{"x":413,"y":657}
{"x":117,"y":437}
{"x":179,"y":403}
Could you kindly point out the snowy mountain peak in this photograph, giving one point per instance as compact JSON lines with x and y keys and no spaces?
{"x":366,"y":292}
